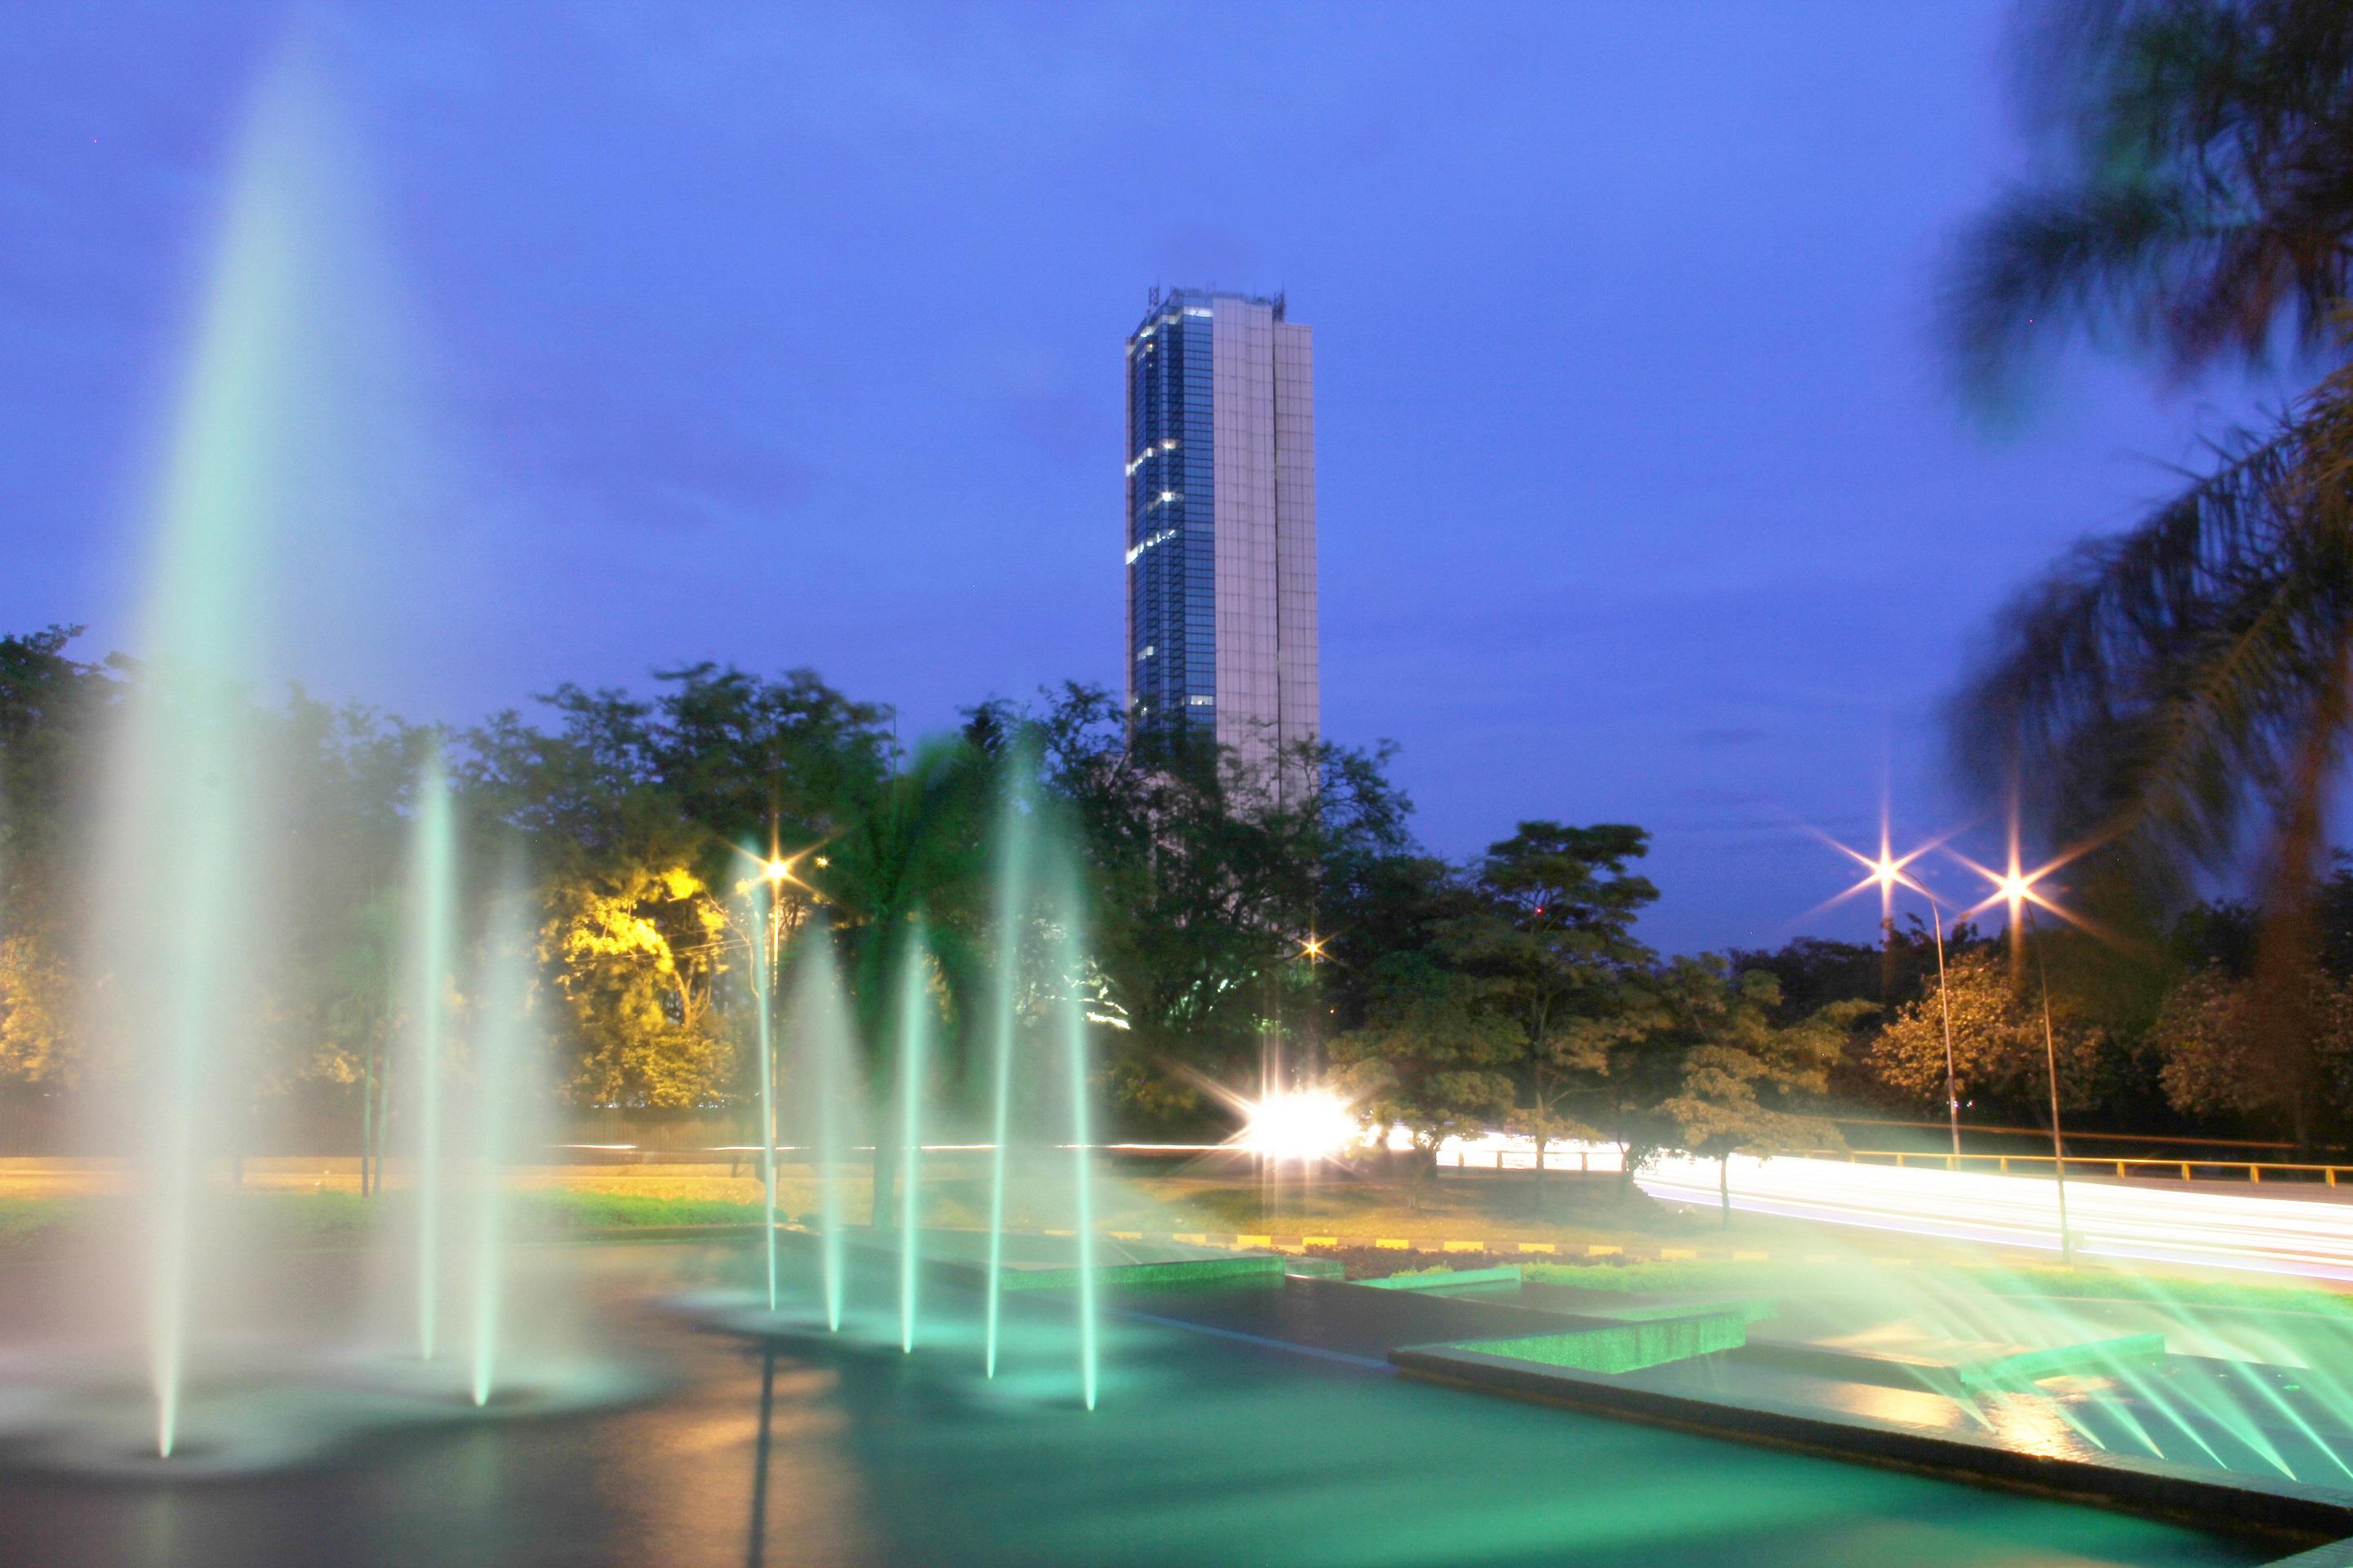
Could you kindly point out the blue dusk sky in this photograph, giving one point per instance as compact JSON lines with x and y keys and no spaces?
{"x":790,"y":335}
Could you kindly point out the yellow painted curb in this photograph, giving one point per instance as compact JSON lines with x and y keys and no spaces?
{"x":1189,"y":1238}
{"x":1598,"y":1251}
{"x":1466,"y":1246}
{"x":1253,"y":1241}
{"x":1392,"y":1244}
{"x":1319,"y":1241}
{"x":1538,"y":1247}
{"x":1127,"y":1235}
{"x":1061,"y":1233}
{"x":1752,"y":1258}
{"x":1676,"y":1254}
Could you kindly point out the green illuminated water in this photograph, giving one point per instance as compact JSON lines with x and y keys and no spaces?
{"x":1012,"y":911}
{"x":914,"y":1037}
{"x":185,"y":857}
{"x":819,"y":1043}
{"x":432,"y":912}
{"x":2141,"y":1362}
{"x":504,"y":1085}
{"x":1071,"y":1012}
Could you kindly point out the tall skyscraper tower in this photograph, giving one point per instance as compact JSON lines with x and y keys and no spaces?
{"x":1221,"y":528}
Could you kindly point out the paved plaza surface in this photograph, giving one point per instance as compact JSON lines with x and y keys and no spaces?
{"x":1236,"y":1425}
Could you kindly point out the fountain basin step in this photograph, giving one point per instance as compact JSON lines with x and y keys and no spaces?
{"x":1449,"y":1280}
{"x":1266,"y":1269}
{"x":1624,"y":1347}
{"x":1972,"y":1366}
{"x":2266,"y":1508}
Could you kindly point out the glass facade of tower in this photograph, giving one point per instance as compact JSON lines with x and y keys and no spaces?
{"x":1221,"y":617}
{"x":1171,"y":521}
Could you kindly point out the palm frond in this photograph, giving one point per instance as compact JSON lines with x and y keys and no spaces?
{"x":2200,"y":200}
{"x":2161,"y":686}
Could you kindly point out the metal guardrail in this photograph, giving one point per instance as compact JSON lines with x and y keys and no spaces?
{"x":2251,"y":1171}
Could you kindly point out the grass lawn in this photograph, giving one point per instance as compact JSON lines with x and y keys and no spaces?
{"x":314,"y":1203}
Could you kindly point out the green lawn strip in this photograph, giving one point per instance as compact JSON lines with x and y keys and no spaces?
{"x":330,"y":1219}
{"x":1446,"y":1278}
{"x":563,"y":1212}
{"x":24,"y":1220}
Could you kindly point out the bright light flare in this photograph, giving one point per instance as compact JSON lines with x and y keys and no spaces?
{"x":1886,"y":871}
{"x":2014,"y":887}
{"x":778,"y":869}
{"x":1303,"y":1125}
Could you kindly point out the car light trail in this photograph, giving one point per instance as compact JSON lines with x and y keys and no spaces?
{"x":2309,"y":1238}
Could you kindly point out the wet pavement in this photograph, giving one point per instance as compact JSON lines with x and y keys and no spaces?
{"x":1219,"y":1439}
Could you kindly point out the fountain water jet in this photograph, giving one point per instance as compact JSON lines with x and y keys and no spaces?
{"x":1070,"y":1010}
{"x":820,"y":1040}
{"x":504,"y":1043}
{"x":1012,"y":916}
{"x":914,"y":1031}
{"x":432,"y":903}
{"x":184,"y":855}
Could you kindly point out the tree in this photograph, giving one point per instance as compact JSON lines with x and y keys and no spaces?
{"x":53,"y":708}
{"x":1205,"y":888}
{"x":2162,"y":690}
{"x":915,"y":858}
{"x":636,"y":955}
{"x":638,"y":812}
{"x":36,"y":997}
{"x":1747,"y":1084}
{"x":2211,"y":1058}
{"x":1553,"y":934}
{"x":1998,"y":1045}
{"x":1691,"y":1058}
{"x":1816,"y":973}
{"x":1433,"y":1057}
{"x":2194,"y":201}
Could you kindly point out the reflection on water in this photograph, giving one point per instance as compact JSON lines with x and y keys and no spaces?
{"x":1207,"y":1450}
{"x":756,"y":1553}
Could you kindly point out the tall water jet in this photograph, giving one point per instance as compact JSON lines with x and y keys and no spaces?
{"x":914,"y":1040}
{"x":819,"y":1039}
{"x":432,"y":913}
{"x":1012,"y":915}
{"x":1070,"y":1014}
{"x":505,"y":1037}
{"x":185,"y":857}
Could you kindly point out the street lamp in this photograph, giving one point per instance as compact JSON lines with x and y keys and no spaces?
{"x":1886,"y":872}
{"x":2016,"y":888}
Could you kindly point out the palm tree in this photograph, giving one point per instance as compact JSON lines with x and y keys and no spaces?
{"x":913,"y":858}
{"x":2174,"y":691}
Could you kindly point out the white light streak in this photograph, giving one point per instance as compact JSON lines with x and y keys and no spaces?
{"x":2307,"y":1237}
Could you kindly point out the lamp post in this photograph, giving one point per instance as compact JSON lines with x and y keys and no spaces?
{"x":2050,"y":1068}
{"x":2016,"y":888}
{"x":1887,"y":873}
